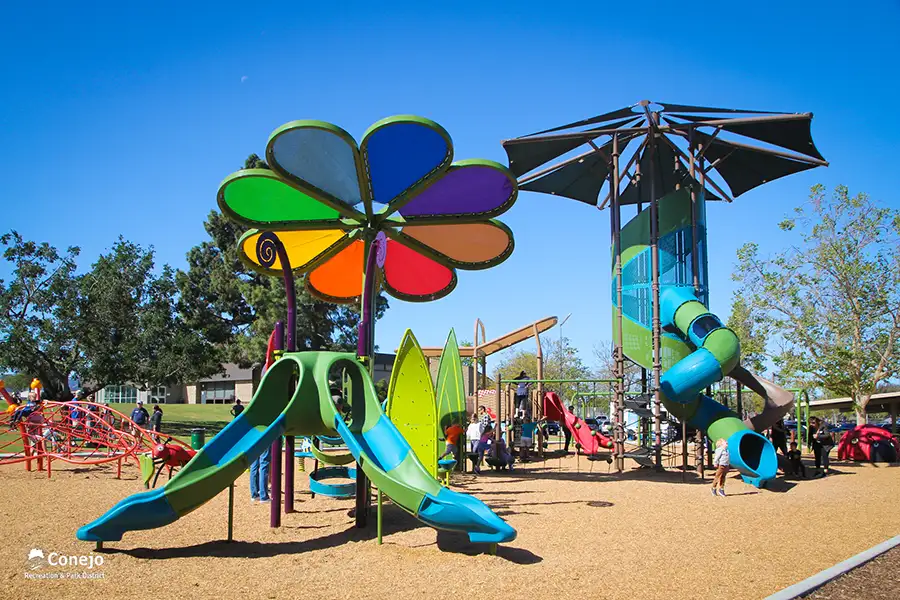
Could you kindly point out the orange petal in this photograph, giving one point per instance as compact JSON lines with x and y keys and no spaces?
{"x":340,"y":278}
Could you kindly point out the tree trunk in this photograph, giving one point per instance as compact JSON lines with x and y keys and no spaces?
{"x":861,"y":410}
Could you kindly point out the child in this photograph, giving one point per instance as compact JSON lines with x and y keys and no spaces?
{"x":451,"y":435}
{"x":721,"y":461}
{"x":796,"y":463}
{"x":473,"y":432}
{"x":24,"y":412}
{"x":502,"y":454}
{"x":483,"y":444}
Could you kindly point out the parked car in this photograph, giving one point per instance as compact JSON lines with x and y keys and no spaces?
{"x":593,"y":423}
{"x":552,"y":428}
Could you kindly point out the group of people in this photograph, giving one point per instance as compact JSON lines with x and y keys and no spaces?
{"x":482,"y":440}
{"x":819,"y":437}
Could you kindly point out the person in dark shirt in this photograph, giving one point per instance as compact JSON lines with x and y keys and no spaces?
{"x":139,"y":415}
{"x":778,"y":435}
{"x":796,"y":462}
{"x":156,"y":418}
{"x":565,"y":430}
{"x":156,"y":421}
{"x":237,"y":409}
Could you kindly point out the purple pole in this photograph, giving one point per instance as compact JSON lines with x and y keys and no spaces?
{"x":365,"y":350}
{"x":275,"y":453}
{"x":365,"y":344}
{"x":275,"y":496}
{"x":268,"y":247}
{"x":288,"y":474}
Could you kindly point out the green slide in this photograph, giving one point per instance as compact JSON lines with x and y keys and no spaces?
{"x":276,"y":409}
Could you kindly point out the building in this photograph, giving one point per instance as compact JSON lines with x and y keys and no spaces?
{"x":233,"y":383}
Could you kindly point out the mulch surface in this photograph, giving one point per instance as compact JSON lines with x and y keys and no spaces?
{"x":878,"y":579}
{"x":580,"y":534}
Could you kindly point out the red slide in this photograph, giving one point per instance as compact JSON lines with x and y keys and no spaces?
{"x":588,"y":442}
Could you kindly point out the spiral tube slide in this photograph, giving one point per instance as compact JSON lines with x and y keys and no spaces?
{"x":716,"y":354}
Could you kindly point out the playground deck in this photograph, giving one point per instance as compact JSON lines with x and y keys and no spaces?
{"x":640,"y":534}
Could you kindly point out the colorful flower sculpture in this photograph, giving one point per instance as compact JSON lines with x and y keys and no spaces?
{"x":326,"y":199}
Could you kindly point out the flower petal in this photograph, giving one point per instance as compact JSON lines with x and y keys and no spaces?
{"x":319,"y":158}
{"x":400,"y":153}
{"x":304,"y":248}
{"x":260,"y":198}
{"x":340,"y":278}
{"x":464,"y":245}
{"x":410,"y":276}
{"x":471,"y":188}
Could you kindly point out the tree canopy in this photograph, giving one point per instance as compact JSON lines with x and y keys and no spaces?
{"x":115,"y":323}
{"x":832,"y":298}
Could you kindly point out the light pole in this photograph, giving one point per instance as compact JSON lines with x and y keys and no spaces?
{"x":561,"y":323}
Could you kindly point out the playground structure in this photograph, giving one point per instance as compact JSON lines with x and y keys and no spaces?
{"x":83,"y":433}
{"x":586,"y":441}
{"x":659,"y":273}
{"x":306,"y":209}
{"x":868,"y":443}
{"x":483,"y":348}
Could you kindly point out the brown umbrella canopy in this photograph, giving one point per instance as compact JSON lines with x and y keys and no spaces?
{"x":732,"y":148}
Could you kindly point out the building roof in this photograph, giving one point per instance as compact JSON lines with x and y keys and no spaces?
{"x":231,"y":372}
{"x":882,"y":401}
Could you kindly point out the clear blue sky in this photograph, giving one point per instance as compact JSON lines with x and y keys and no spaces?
{"x":118,"y":119}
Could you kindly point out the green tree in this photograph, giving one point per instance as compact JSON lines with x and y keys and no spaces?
{"x":561,"y":361}
{"x":37,"y":334}
{"x":235,"y":308}
{"x":750,"y":324}
{"x":113,"y":324}
{"x":833,"y":297}
{"x":18,"y":382}
{"x":606,"y":367}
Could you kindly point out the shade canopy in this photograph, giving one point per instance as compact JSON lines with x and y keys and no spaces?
{"x":736,"y":149}
{"x":501,"y":343}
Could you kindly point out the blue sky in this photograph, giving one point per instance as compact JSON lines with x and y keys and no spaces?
{"x":120,"y":119}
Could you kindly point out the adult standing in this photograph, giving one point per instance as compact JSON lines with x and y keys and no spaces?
{"x":259,"y":477}
{"x":237,"y":408}
{"x":778,"y":435}
{"x":826,"y":443}
{"x":565,"y":429}
{"x":156,"y":421}
{"x":139,"y":415}
{"x":811,"y":431}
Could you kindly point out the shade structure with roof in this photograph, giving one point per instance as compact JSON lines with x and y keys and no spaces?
{"x":666,"y":160}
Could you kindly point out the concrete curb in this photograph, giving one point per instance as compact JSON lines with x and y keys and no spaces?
{"x":819,"y":579}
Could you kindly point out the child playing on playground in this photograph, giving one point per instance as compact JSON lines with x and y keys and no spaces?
{"x":721,"y":461}
{"x":25,"y":411}
{"x":473,"y":432}
{"x":796,"y":462}
{"x":451,"y":435}
{"x":521,"y":394}
{"x":485,"y":419}
{"x":502,"y":454}
{"x":483,"y":444}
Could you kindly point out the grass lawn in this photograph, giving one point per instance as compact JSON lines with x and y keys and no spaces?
{"x":179,"y":419}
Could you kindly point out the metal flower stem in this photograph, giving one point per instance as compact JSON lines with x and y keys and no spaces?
{"x":290,"y":345}
{"x":365,"y":350}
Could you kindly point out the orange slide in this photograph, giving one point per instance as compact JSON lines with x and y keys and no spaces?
{"x":586,"y":441}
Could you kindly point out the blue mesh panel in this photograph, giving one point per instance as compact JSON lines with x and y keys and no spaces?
{"x":674,"y":270}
